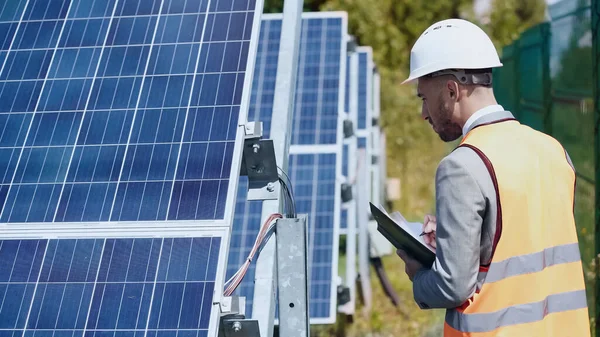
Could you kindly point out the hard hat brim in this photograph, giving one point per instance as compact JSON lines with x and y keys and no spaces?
{"x":415,"y":75}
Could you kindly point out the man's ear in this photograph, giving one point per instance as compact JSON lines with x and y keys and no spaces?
{"x":453,"y":90}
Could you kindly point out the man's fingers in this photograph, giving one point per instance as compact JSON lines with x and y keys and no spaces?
{"x":401,"y":253}
{"x":429,"y":218}
{"x":429,"y":224}
{"x":429,"y":227}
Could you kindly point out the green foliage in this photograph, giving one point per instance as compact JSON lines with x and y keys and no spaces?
{"x":391,"y":27}
{"x":509,"y":18}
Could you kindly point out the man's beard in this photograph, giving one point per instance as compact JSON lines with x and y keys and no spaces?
{"x":448,"y":130}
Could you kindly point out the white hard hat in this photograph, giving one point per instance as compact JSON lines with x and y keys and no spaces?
{"x":452,"y":44}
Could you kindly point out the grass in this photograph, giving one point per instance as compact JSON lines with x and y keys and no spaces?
{"x":383,"y":320}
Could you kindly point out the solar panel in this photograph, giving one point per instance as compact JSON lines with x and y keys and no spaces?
{"x":121,"y":117}
{"x":100,"y":286}
{"x":365,"y":111}
{"x":364,"y":104}
{"x":316,"y":137}
{"x":121,"y":110}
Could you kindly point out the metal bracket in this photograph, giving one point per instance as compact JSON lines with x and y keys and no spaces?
{"x":259,"y":164}
{"x":343,"y":295}
{"x":236,"y":327}
{"x":232,"y":320}
{"x":351,"y":44}
{"x":348,"y":128}
{"x":346,"y":192}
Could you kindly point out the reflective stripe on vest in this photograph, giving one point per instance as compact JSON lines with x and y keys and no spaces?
{"x":534,"y":284}
{"x":518,"y":314}
{"x":532,"y":263}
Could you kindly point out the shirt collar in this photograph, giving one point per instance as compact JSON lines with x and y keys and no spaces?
{"x":480,"y":113}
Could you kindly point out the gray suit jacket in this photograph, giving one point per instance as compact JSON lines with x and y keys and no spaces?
{"x":466,"y":225}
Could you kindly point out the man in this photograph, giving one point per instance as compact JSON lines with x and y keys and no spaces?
{"x":507,"y":254}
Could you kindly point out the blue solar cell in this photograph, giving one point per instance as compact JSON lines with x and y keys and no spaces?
{"x":345,"y":160}
{"x":362,"y":142}
{"x":7,"y":31}
{"x":26,"y":65}
{"x":12,"y":10}
{"x":363,"y":73}
{"x":103,"y":100}
{"x":102,"y":285}
{"x":93,"y":9}
{"x":344,"y":219}
{"x":347,"y":90}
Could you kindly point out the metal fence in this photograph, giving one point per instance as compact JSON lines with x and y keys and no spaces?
{"x":548,"y":83}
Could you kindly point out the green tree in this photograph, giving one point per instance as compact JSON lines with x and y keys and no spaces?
{"x":509,"y":18}
{"x":391,"y":27}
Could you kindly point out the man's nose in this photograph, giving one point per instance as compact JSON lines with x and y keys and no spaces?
{"x":424,"y":113}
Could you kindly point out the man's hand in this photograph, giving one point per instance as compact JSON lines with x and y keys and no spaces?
{"x":411,"y":266}
{"x":429,"y":225}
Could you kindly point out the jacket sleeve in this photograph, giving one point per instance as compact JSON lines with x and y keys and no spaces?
{"x":460,"y":210}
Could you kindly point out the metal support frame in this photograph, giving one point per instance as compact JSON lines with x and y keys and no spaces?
{"x":292,"y":277}
{"x":263,"y":306}
{"x":363,"y":235}
{"x":351,"y":237}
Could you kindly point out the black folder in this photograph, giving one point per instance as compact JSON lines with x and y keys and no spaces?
{"x":401,"y":239}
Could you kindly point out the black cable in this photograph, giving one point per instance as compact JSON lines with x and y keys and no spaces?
{"x":291,"y":211}
{"x":286,"y":200}
{"x":286,"y":204}
{"x":288,"y":189}
{"x":292,"y":201}
{"x":289,"y":181}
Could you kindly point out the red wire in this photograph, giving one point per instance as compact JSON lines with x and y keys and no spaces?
{"x":244,"y":268}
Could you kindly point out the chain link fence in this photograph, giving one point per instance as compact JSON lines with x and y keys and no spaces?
{"x":548,"y":83}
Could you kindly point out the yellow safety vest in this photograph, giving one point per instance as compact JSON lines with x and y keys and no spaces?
{"x":534,"y":285}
